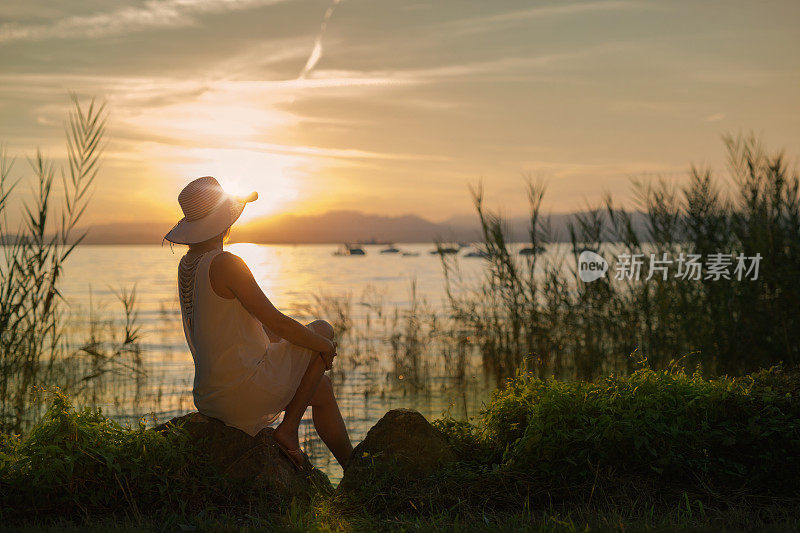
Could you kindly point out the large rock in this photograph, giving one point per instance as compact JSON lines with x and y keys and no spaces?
{"x":256,"y":460}
{"x":401,"y":445}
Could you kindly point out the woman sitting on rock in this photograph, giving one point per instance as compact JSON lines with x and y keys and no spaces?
{"x":251,"y":361}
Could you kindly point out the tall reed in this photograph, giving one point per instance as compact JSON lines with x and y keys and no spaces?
{"x":535,"y":310}
{"x":33,"y":349}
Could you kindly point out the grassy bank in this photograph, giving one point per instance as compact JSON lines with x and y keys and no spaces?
{"x":654,"y":450}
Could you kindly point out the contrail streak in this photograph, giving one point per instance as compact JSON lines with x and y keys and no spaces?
{"x":316,"y":52}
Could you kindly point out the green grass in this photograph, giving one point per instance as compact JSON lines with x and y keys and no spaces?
{"x":82,"y":465}
{"x":665,"y":427}
{"x":656,"y":450}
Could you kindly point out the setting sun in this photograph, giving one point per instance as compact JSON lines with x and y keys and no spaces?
{"x":275,"y":177}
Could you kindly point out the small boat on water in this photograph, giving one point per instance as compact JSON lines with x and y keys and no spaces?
{"x":532,"y":250}
{"x":476,"y":253}
{"x":391,"y":249}
{"x":410,"y":254}
{"x":446,"y":250}
{"x":349,"y":249}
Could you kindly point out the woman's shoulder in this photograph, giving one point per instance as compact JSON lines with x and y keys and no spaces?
{"x":227,"y":264}
{"x":226,"y":271}
{"x":225,"y":257}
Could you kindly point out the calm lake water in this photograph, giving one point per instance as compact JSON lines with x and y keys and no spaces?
{"x":299,"y":279}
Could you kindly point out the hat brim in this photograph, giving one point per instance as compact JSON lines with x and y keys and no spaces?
{"x":211,"y":225}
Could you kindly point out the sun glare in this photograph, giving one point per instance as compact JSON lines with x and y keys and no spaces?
{"x":218,"y":132}
{"x":274,"y":177}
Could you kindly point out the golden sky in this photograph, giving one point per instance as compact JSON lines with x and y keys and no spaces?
{"x":394,"y":107}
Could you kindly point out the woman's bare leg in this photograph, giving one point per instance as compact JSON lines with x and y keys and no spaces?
{"x":329,"y":423}
{"x":287,"y":431}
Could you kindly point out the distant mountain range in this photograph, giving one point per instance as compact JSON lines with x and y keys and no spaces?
{"x":336,"y":227}
{"x":350,"y":226}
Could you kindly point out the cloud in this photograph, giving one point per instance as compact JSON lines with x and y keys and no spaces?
{"x":152,"y":14}
{"x":716,"y":117}
{"x":340,"y":153}
{"x":184,"y":113}
{"x":492,"y":22}
{"x":502,"y":67}
{"x":316,"y":52}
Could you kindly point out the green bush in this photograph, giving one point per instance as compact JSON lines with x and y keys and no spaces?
{"x":652,"y":447}
{"x":662,"y":428}
{"x":81,"y":463}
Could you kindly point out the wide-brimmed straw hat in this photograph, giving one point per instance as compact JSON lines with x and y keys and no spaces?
{"x":207,"y":211}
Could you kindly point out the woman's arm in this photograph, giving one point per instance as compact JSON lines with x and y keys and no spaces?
{"x":273,"y":337}
{"x":230,"y":278}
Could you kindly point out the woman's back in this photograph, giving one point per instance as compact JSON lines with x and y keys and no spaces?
{"x":226,"y":342}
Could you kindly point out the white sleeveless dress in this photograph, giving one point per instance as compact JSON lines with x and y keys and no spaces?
{"x":240,"y":377}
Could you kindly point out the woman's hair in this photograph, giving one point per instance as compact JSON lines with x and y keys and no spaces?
{"x":224,"y":237}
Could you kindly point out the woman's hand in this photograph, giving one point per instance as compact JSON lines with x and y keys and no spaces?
{"x":329,"y":355}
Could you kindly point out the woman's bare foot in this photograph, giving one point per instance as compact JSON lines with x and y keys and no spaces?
{"x":290,"y":447}
{"x":286,"y":437}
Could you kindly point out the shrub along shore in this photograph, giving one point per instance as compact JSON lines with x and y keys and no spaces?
{"x":653,"y":450}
